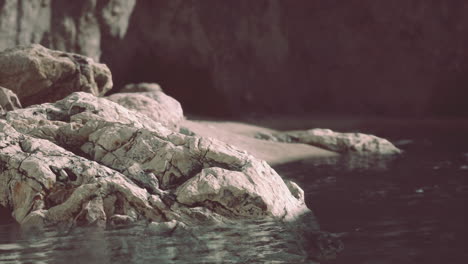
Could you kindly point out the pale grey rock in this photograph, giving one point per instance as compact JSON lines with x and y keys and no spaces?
{"x":345,"y":142}
{"x":155,"y":104}
{"x":33,"y":185}
{"x":236,"y":193}
{"x":37,"y":74}
{"x":8,"y":101}
{"x":86,"y":160}
{"x":295,"y":190}
{"x":340,"y":142}
{"x":121,"y":220}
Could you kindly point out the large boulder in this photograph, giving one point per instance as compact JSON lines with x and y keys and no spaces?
{"x":152,"y":101}
{"x":86,"y":160}
{"x":8,"y":101}
{"x":37,"y":74}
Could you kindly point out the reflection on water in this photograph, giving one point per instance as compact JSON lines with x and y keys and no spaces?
{"x":410,"y":209}
{"x":241,"y":242}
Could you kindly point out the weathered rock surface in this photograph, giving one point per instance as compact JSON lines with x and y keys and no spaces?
{"x":8,"y":101}
{"x":37,"y":74}
{"x":150,"y":100}
{"x":86,"y":160}
{"x":335,"y":141}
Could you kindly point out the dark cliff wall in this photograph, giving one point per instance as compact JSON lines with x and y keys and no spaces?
{"x":402,"y":57}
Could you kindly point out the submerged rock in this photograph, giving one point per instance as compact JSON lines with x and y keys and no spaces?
{"x":8,"y":101}
{"x":150,"y":100}
{"x":37,"y":74}
{"x":86,"y":160}
{"x":335,"y":141}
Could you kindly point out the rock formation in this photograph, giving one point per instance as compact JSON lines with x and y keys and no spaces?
{"x":149,"y":99}
{"x":38,"y":75}
{"x":340,"y":142}
{"x":85,"y":160}
{"x":8,"y":101}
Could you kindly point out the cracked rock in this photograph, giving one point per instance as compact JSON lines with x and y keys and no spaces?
{"x":86,"y":160}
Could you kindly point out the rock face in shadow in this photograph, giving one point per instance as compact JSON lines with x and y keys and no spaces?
{"x":373,"y":57}
{"x":37,"y":74}
{"x":149,"y":99}
{"x":272,"y":56}
{"x":89,"y":161}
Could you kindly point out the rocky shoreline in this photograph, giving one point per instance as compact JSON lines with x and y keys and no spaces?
{"x":88,"y":160}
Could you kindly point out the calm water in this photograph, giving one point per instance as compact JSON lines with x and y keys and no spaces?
{"x":412,"y":209}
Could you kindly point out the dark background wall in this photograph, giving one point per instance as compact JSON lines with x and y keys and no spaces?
{"x":372,"y":57}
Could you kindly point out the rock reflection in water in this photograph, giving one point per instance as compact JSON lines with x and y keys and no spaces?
{"x":241,"y":242}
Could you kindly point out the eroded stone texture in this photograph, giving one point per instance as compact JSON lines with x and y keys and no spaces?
{"x":37,"y":74}
{"x":88,"y":161}
{"x":335,"y":141}
{"x":8,"y":101}
{"x":150,"y":100}
{"x":45,"y":184}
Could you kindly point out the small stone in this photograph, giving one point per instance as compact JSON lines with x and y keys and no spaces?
{"x":162,"y":228}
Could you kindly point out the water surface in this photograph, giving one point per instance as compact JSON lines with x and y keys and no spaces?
{"x":410,"y":209}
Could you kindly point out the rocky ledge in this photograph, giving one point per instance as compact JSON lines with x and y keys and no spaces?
{"x":86,"y":160}
{"x":354,"y":143}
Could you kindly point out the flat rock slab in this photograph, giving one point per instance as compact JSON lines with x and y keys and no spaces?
{"x":357,"y":143}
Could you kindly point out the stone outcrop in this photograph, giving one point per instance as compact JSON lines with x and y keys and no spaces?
{"x":37,"y":74}
{"x":86,"y":160}
{"x":340,"y":142}
{"x":149,"y":99}
{"x":8,"y":101}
